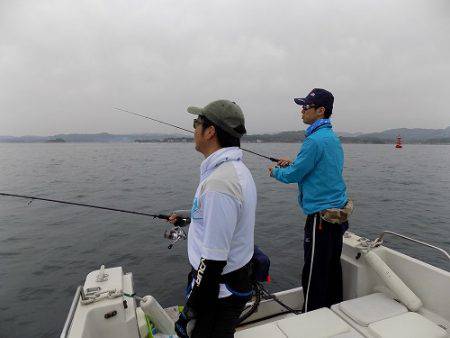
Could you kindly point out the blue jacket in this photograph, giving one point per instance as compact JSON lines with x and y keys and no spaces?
{"x":318,"y":171}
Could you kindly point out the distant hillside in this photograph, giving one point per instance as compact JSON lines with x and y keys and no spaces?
{"x":285,"y":136}
{"x":426,"y":136}
{"x":345,"y":134}
{"x":409,"y":135}
{"x":101,"y":137}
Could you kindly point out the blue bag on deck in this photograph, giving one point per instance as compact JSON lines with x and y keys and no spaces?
{"x":261,"y":265}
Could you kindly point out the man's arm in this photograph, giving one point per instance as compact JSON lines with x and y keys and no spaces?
{"x":202,"y":297}
{"x":300,"y":167}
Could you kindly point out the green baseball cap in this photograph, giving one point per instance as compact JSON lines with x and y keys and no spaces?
{"x":224,"y":113}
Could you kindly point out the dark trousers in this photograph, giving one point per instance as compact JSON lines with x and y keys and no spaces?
{"x":324,"y":288}
{"x":221,"y":320}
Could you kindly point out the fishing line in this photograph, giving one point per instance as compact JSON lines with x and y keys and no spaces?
{"x":150,"y":118}
{"x":190,"y":131}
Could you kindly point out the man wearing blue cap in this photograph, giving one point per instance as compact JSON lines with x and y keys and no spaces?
{"x":317,"y":170}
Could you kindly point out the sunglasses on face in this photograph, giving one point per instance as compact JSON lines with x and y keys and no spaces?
{"x":308,"y":106}
{"x":197,"y":122}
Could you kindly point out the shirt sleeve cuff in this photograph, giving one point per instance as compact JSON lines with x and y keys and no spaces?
{"x":274,"y":172}
{"x":215,"y":254}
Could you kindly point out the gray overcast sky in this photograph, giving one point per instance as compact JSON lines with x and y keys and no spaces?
{"x":64,"y":64}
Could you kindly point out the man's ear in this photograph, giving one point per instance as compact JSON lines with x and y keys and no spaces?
{"x":211,"y":132}
{"x":321,"y":111}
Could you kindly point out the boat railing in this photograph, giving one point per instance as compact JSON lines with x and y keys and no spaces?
{"x":379,"y":241}
{"x":73,"y":307}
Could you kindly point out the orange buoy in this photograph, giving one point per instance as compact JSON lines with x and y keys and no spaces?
{"x":398,"y":144}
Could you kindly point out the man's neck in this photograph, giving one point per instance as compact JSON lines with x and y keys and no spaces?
{"x":210,"y":150}
{"x":319,"y":118}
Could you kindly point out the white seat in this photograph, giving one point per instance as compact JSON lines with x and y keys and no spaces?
{"x":379,"y":316}
{"x":267,"y":330}
{"x":408,"y":325}
{"x":372,"y":308}
{"x":351,"y":334}
{"x":320,"y":323}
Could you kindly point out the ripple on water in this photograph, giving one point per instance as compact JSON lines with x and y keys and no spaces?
{"x":123,"y":260}
{"x":117,"y":235}
{"x":87,"y":174}
{"x":9,"y":254}
{"x":55,"y":223}
{"x":62,"y":248}
{"x":409,"y":182}
{"x":46,"y":269}
{"x":14,"y":239}
{"x":76,"y":263}
{"x":35,"y":293}
{"x":88,"y":251}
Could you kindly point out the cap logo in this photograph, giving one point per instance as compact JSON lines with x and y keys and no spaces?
{"x":313,"y":94}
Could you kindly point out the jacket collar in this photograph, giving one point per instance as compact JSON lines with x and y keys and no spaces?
{"x":217,"y":158}
{"x":326,"y":123}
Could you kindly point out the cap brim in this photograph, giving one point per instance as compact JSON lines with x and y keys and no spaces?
{"x":195,"y":110}
{"x":301,"y":101}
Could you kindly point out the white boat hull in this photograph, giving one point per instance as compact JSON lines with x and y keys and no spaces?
{"x":429,"y":284}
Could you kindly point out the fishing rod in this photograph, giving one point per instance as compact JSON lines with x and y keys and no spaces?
{"x":180,"y":221}
{"x":190,"y":131}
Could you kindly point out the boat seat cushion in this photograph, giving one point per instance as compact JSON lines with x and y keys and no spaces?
{"x":265,"y":330}
{"x":318,"y":323}
{"x":372,"y":308}
{"x":407,"y":325}
{"x":351,"y":334}
{"x":315,"y":324}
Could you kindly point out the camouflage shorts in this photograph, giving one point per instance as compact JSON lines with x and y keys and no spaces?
{"x":337,"y":216}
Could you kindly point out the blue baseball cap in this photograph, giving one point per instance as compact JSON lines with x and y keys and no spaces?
{"x":318,"y":97}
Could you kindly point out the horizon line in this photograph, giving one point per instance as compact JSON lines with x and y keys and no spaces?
{"x":256,"y":133}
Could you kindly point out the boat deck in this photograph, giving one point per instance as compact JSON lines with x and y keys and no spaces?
{"x":386,"y":295}
{"x":374,"y":306}
{"x":372,"y":316}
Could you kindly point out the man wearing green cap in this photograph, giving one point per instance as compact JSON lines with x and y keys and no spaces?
{"x":221,"y":232}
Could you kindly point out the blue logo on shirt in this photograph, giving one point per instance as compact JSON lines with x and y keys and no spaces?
{"x":195,"y":209}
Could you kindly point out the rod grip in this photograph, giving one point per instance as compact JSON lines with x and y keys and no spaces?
{"x":181,"y":222}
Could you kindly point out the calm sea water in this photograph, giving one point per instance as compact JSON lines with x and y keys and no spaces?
{"x":47,"y":249}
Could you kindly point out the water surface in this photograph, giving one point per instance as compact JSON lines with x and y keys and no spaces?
{"x":47,"y":249}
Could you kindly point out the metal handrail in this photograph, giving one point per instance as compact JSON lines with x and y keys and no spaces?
{"x":73,"y":307}
{"x":379,"y":241}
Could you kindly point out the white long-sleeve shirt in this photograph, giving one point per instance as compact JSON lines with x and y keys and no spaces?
{"x":223,"y":212}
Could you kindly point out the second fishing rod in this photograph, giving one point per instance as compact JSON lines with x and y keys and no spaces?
{"x":273,"y":159}
{"x":180,"y":222}
{"x":174,"y":235}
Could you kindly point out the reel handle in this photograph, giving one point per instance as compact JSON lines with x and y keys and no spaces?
{"x":180,"y":222}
